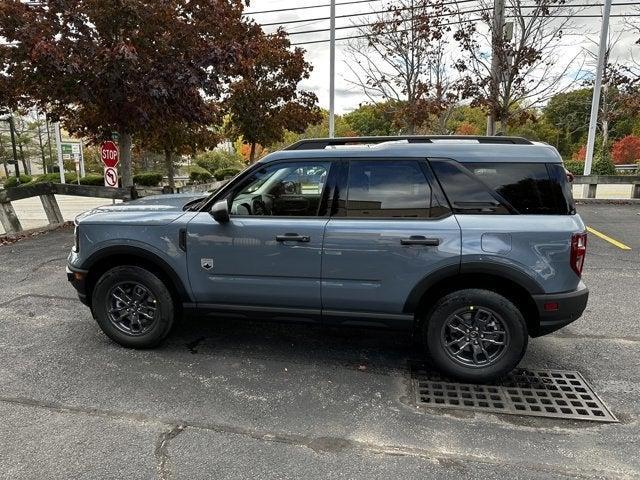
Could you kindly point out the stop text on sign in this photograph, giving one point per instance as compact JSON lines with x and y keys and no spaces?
{"x":109,"y":154}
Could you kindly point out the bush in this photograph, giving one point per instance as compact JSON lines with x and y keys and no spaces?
{"x":217,"y":159}
{"x":603,"y":166}
{"x":13,"y":182}
{"x":55,"y":178}
{"x":95,"y":180}
{"x":223,"y":173}
{"x":197,"y":174}
{"x":149,"y":179}
{"x":574,"y":166}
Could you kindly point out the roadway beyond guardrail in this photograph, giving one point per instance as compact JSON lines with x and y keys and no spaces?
{"x":594,"y":180}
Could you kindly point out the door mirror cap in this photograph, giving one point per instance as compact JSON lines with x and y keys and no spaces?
{"x":220,"y":211}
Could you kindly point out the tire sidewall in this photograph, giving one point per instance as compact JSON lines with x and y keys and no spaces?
{"x":100,"y":303}
{"x":511,"y":316}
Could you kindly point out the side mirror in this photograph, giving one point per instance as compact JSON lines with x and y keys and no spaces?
{"x":220,"y":211}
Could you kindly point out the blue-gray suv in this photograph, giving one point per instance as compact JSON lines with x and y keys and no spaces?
{"x":473,"y":243}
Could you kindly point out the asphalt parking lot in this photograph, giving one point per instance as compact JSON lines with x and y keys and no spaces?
{"x":225,"y":399}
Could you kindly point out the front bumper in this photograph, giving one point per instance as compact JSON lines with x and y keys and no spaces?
{"x":570,"y":306}
{"x":78,"y":278}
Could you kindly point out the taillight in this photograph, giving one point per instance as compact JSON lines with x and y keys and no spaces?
{"x":578,"y":251}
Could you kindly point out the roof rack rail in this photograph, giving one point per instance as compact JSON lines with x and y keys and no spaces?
{"x":322,"y":143}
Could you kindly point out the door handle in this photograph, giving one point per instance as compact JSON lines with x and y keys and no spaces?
{"x":293,"y":237}
{"x":420,"y":240}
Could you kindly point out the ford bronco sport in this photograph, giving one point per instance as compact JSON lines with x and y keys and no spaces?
{"x":473,"y":243}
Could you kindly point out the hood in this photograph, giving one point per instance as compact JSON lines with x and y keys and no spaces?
{"x":152,"y":210}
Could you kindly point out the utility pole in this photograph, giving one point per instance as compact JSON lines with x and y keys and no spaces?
{"x":332,"y":70}
{"x":497,"y":44}
{"x":595,"y":101}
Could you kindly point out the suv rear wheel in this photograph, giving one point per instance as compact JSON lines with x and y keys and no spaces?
{"x":133,"y":307}
{"x":475,"y":335}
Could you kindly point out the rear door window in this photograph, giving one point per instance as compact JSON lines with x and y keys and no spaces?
{"x":390,"y":189}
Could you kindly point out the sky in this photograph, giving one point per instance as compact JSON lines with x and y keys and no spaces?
{"x":348,"y":96}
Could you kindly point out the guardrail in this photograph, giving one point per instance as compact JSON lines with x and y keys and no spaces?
{"x":594,"y":180}
{"x":48,"y":191}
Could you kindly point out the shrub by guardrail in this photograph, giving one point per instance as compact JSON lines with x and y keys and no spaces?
{"x":13,"y":182}
{"x":149,"y":179}
{"x":223,"y":173}
{"x":199,"y":174}
{"x":92,"y":179}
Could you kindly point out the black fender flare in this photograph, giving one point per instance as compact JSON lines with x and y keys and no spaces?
{"x":133,"y":251}
{"x":449,"y":272}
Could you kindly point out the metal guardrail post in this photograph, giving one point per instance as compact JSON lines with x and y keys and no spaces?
{"x":636,"y":191}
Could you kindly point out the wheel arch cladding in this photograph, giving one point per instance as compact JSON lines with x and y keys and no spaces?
{"x":517,"y":287}
{"x":101,"y":261}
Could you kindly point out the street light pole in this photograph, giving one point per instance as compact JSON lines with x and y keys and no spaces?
{"x":595,"y":101}
{"x":497,"y":44}
{"x":332,"y":70}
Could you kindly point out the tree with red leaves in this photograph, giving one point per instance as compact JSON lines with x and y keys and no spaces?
{"x":626,"y":150}
{"x":122,"y":65}
{"x":265,"y":101}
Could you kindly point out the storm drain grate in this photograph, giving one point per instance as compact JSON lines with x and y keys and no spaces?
{"x":540,"y":393}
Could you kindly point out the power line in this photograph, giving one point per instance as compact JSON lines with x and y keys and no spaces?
{"x":308,"y":7}
{"x":621,"y":4}
{"x":359,"y":14}
{"x":310,"y":42}
{"x":377,"y":23}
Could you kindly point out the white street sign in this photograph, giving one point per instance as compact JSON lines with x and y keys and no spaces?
{"x":111,"y":177}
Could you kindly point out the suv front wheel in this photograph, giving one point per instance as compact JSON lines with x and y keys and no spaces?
{"x":475,"y":335}
{"x":133,"y":306}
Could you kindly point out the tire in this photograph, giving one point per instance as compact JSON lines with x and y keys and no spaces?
{"x":153,"y":314}
{"x":451,"y":325}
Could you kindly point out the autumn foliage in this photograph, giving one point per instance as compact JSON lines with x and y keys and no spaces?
{"x":580,"y":155}
{"x":626,"y":150}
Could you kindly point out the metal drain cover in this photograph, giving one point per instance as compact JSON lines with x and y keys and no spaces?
{"x":540,"y":393}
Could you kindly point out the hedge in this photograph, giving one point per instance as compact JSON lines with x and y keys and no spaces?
{"x":55,"y":178}
{"x":199,"y":175}
{"x":223,"y":173}
{"x":13,"y":182}
{"x":149,"y":179}
{"x":574,"y":166}
{"x":92,"y":179}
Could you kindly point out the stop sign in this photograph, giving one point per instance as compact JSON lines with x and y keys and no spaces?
{"x":109,"y":154}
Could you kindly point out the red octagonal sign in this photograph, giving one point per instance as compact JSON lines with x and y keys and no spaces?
{"x":109,"y":154}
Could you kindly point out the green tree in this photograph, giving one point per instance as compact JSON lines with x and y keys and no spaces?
{"x":265,"y":101}
{"x":125,"y":66}
{"x":371,"y":119}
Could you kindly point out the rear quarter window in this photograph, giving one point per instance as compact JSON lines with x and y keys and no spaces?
{"x":520,"y":188}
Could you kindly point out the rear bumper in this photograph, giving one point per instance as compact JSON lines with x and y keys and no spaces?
{"x":78,"y":278}
{"x":570,"y":306}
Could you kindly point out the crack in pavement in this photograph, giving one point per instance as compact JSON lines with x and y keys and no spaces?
{"x":335,"y":445}
{"x":38,"y":267}
{"x":162,"y":450}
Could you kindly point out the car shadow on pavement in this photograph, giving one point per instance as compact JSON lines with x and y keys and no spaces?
{"x":297,"y":343}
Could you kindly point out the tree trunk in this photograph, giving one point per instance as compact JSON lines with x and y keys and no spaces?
{"x":44,"y":161}
{"x":168,"y":162}
{"x":125,"y":159}
{"x":252,"y":154}
{"x":4,"y":160}
{"x":49,"y":168}
{"x":24,"y":163}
